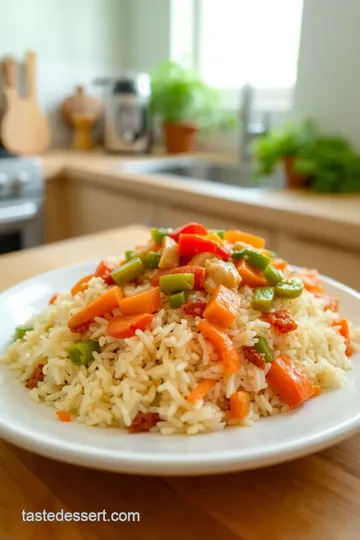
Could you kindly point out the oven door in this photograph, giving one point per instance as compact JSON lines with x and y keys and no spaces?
{"x":21,"y":225}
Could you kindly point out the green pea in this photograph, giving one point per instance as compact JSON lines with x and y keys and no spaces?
{"x":82,"y":353}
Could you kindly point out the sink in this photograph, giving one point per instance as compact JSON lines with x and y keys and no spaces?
{"x":192,"y":168}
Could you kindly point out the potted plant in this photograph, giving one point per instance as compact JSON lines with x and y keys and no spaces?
{"x":284,"y":146}
{"x":184,"y":104}
{"x":325,"y":163}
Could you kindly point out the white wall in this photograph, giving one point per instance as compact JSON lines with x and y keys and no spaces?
{"x":75,"y":40}
{"x":328,"y":86}
{"x":148,"y":38}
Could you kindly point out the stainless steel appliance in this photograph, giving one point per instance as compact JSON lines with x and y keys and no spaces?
{"x":127,"y":123}
{"x":21,"y":203}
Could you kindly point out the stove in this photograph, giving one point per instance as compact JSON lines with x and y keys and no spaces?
{"x":21,"y":202}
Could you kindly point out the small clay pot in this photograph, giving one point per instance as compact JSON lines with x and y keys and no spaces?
{"x":293,"y":178}
{"x":180,"y":138}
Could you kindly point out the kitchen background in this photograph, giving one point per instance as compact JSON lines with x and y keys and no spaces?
{"x":272,"y":61}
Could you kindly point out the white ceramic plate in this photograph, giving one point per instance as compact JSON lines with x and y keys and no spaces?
{"x":317,"y":424}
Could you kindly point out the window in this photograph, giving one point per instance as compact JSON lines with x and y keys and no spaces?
{"x":253,"y":41}
{"x":234,"y":42}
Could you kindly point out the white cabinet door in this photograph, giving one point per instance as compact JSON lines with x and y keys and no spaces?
{"x":92,"y":209}
{"x":330,"y":261}
{"x":167,"y":216}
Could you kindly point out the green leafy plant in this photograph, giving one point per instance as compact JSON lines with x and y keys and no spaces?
{"x":180,"y":96}
{"x":329,"y":162}
{"x":287,"y":141}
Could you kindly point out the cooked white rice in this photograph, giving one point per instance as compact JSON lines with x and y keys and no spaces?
{"x":155,"y":370}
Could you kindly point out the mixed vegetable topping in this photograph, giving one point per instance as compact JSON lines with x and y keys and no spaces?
{"x":177,"y":265}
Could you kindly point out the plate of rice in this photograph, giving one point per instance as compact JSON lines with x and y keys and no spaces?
{"x":200,"y":352}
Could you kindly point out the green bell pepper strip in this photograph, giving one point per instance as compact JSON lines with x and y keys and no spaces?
{"x":172,"y":283}
{"x":255,"y":259}
{"x":82,"y":353}
{"x":221,"y":233}
{"x":177,"y":300}
{"x":20,"y":331}
{"x":289,"y":288}
{"x":129,"y":254}
{"x":272,"y":275}
{"x":152,"y":259}
{"x":158,"y":234}
{"x":128,"y":271}
{"x":263,"y":299}
{"x":263,"y":348}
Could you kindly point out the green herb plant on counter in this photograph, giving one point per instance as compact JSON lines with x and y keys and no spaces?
{"x":329,"y":163}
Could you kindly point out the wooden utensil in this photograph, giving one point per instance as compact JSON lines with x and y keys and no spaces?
{"x":24,"y":129}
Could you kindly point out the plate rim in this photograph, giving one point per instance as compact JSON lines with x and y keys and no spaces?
{"x":175,"y":464}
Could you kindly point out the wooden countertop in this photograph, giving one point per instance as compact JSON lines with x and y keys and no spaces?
{"x":313,"y":498}
{"x":331,"y":218}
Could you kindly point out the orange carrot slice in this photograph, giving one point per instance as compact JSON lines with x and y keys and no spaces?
{"x":289,"y":381}
{"x":63,"y":416}
{"x":222,"y":345}
{"x":250,"y":275}
{"x":53,"y":298}
{"x":99,"y":307}
{"x":146,"y":302}
{"x":240,"y":404}
{"x":201,"y":390}
{"x":344,"y":331}
{"x":279,"y":264}
{"x":234,"y":236}
{"x":125,"y":326}
{"x":81,"y":285}
{"x":223,"y":307}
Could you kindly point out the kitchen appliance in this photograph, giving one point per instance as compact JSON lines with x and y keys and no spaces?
{"x":21,"y":202}
{"x":127,"y":123}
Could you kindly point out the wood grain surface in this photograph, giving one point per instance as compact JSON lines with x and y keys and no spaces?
{"x":314,"y":498}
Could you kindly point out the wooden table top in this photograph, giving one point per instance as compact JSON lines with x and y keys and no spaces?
{"x":313,"y":498}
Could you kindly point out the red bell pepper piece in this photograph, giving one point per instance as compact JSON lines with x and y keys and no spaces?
{"x":195,"y":307}
{"x":191,"y":244}
{"x":198,"y":271}
{"x":104,"y":270}
{"x":190,"y":228}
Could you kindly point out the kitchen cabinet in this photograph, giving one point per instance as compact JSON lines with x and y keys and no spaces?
{"x":331,"y":261}
{"x":56,"y":210}
{"x":93,"y":209}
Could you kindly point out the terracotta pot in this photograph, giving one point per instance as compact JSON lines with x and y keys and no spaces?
{"x":293,"y":179}
{"x":180,"y":138}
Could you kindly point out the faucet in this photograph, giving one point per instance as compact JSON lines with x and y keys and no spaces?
{"x":249,"y":129}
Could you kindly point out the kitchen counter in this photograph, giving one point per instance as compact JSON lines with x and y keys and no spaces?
{"x":332,"y":218}
{"x":307,"y":499}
